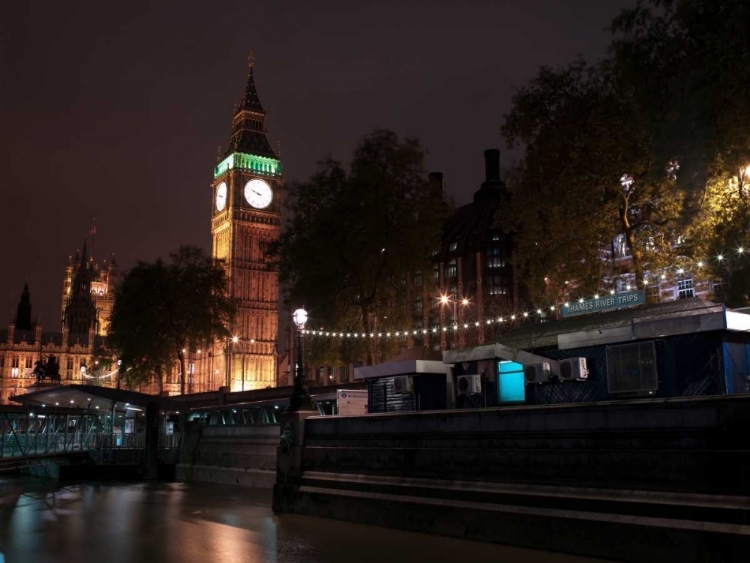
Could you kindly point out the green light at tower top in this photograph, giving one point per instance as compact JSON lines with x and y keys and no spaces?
{"x":244,"y":161}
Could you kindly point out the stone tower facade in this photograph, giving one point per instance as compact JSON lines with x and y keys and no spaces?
{"x":245,"y":220}
{"x":101,"y":278}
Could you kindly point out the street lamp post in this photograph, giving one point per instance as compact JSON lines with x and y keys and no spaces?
{"x":444,"y":300}
{"x":300,"y":398}
{"x":235,"y":340}
{"x":227,"y":365}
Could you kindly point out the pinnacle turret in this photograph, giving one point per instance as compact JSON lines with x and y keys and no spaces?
{"x":23,"y":312}
{"x":249,"y":124}
{"x":250,"y":100}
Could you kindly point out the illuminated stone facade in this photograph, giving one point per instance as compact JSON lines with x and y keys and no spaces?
{"x":102,"y":283}
{"x":87,"y":298}
{"x":246,"y":219}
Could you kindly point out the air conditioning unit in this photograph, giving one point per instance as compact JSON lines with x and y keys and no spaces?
{"x":573,"y":369}
{"x":403,"y":384}
{"x":536,"y":373}
{"x":469,"y":384}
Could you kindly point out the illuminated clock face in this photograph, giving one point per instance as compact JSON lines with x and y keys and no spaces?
{"x":258,"y":193}
{"x":221,"y":197}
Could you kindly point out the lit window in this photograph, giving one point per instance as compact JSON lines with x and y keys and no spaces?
{"x":620,"y":247}
{"x":510,"y":382}
{"x":418,"y":305}
{"x":453,"y":293}
{"x":685,"y":288}
{"x":453,"y":247}
{"x":495,"y":258}
{"x":496,"y":285}
{"x":452,"y":270}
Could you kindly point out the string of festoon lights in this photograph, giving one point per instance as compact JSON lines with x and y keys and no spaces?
{"x":516,"y":317}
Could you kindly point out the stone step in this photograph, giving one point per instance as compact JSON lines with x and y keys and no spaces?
{"x":626,"y":525}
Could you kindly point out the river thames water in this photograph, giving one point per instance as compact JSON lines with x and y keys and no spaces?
{"x":44,"y":522}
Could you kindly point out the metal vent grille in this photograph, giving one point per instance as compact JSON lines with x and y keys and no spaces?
{"x":631,"y":368}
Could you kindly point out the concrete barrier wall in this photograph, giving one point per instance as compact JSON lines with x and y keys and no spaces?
{"x":697,"y":445}
{"x":235,"y":455}
{"x":646,"y":481}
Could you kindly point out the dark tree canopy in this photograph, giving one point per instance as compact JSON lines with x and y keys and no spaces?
{"x":588,"y":175}
{"x":357,"y":237}
{"x":691,"y":57}
{"x":162,"y":309}
{"x":651,"y":144}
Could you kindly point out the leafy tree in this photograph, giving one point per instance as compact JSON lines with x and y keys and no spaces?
{"x":103,"y":364}
{"x":355,"y":239}
{"x":690,"y":57}
{"x":587,"y":175}
{"x":162,"y":309}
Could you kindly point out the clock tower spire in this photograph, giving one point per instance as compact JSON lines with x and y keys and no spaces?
{"x":245,"y":220}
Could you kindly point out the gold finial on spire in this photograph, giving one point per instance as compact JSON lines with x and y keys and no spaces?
{"x":251,"y":60}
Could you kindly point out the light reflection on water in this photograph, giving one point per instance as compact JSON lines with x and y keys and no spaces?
{"x":43,"y":522}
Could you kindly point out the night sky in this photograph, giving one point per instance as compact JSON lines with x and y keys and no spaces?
{"x":115,"y":110}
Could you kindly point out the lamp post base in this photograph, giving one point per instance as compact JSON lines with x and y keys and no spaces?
{"x":300,"y":399}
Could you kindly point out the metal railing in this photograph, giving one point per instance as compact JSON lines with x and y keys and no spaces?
{"x":49,"y":433}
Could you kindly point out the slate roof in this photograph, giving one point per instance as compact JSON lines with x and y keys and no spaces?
{"x":244,"y":140}
{"x":250,"y":100}
{"x":469,"y":226}
{"x":250,"y":142}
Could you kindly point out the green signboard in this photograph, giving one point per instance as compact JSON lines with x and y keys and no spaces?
{"x":606,"y":303}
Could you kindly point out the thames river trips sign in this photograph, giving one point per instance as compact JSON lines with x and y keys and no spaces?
{"x":600,"y":304}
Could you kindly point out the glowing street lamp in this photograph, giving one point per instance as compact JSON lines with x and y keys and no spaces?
{"x":300,"y":399}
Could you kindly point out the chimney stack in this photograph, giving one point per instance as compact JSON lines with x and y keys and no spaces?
{"x":492,"y":165}
{"x":436,"y":181}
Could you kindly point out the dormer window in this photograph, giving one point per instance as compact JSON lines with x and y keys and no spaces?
{"x":453,"y":247}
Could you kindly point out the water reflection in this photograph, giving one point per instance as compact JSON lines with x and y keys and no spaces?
{"x":165,"y":522}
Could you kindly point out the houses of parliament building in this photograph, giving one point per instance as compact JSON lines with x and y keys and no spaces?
{"x":246,"y":195}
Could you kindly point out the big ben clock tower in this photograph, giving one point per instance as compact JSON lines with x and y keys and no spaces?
{"x":245,"y":219}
